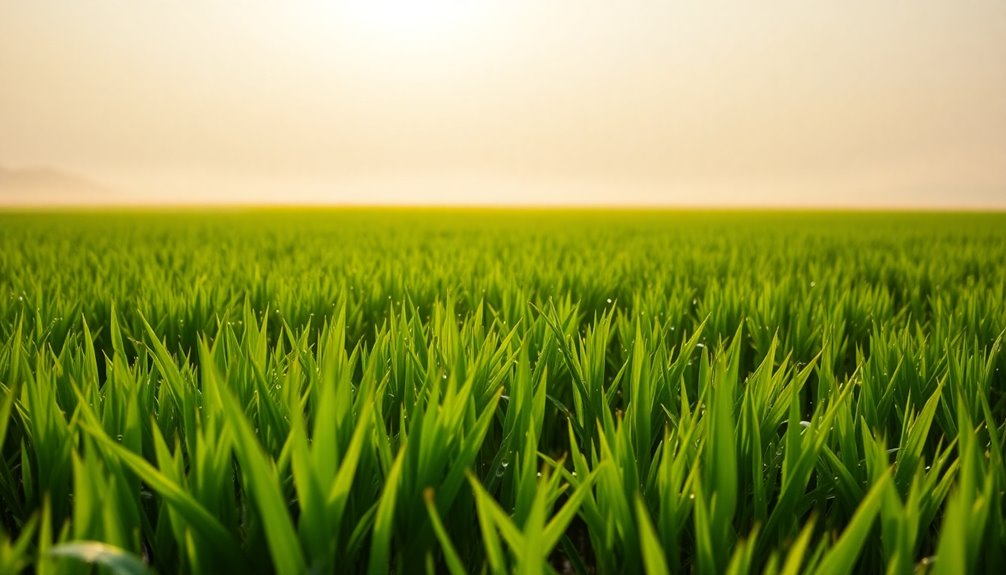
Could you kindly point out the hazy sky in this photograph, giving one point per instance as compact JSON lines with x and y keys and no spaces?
{"x":852,"y":102}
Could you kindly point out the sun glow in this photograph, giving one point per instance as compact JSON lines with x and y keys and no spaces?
{"x":413,"y":24}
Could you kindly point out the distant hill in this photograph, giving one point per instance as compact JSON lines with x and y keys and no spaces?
{"x":47,"y":186}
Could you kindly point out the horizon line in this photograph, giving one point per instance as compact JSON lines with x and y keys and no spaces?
{"x":493,"y":206}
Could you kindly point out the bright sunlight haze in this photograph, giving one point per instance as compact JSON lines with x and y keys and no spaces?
{"x":784,"y":103}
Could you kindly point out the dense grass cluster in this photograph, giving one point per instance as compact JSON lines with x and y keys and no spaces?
{"x":539,"y":392}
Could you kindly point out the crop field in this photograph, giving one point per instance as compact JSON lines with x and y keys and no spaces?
{"x":463,"y":391}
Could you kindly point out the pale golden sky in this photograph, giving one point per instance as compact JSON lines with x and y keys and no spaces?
{"x":849,"y":103}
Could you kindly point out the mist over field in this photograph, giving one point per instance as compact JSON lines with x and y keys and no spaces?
{"x":511,"y":103}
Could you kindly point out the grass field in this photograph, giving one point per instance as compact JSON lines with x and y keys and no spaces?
{"x":488,"y":392}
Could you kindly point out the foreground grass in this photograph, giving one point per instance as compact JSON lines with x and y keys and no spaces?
{"x":453,"y":391}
